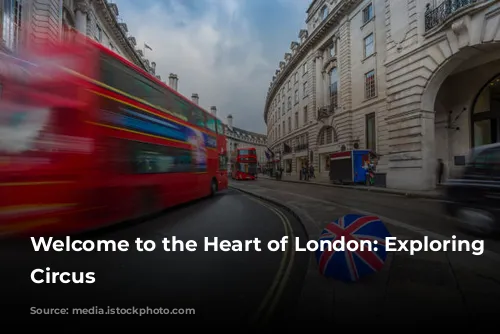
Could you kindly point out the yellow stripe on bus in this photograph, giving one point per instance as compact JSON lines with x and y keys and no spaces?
{"x":15,"y":184}
{"x":141,"y":133}
{"x":136,"y":132}
{"x":99,"y":83}
{"x":17,"y":227}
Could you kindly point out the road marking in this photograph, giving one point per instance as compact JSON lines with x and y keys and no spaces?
{"x":487,"y":253}
{"x":275,"y":292}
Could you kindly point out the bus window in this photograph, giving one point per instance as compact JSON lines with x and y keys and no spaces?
{"x":198,"y":117}
{"x":211,"y":123}
{"x":220,"y":127}
{"x":222,"y":162}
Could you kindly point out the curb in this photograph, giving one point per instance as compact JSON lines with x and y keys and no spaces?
{"x":281,"y":205}
{"x":375,"y":190}
{"x":314,"y":284}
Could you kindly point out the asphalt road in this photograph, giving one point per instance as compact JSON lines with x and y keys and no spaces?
{"x":427,"y":214}
{"x":227,"y":286}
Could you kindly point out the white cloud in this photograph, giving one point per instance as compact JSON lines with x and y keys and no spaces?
{"x":215,"y":54}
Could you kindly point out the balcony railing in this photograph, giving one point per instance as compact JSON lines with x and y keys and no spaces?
{"x":436,"y":16}
{"x":301,"y":147}
{"x":328,"y":110}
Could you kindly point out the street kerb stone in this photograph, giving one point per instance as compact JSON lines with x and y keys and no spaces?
{"x":412,"y":194}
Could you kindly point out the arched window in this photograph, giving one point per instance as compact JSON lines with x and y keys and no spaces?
{"x":486,"y":115}
{"x":327,"y":135}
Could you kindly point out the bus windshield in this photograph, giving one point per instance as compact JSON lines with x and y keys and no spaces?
{"x":247,"y":152}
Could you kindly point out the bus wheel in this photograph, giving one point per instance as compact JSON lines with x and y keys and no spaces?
{"x":213,"y":187}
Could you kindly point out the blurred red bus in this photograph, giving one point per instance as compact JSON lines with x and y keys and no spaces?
{"x":88,"y":139}
{"x":244,"y":164}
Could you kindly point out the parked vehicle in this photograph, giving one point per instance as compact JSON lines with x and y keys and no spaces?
{"x":474,"y":198}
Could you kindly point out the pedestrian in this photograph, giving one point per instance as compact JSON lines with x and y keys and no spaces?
{"x":440,"y":170}
{"x":306,"y":173}
{"x":311,"y":171}
{"x":300,"y":173}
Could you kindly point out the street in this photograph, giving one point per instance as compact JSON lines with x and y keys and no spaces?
{"x":444,"y":286}
{"x":229,"y":286}
{"x":423,"y":214}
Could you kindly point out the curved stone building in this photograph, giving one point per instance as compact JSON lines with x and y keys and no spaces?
{"x":239,"y":138}
{"x":412,"y":80}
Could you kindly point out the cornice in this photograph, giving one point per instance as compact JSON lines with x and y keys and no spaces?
{"x":110,"y":18}
{"x":332,"y":19}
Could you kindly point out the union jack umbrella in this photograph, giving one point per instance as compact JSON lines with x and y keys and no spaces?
{"x":349,"y":265}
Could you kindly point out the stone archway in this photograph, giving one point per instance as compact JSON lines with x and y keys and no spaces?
{"x":430,"y":85}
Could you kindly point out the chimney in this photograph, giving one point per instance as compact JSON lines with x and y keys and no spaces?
{"x":195,"y":98}
{"x":172,"y":81}
{"x":230,"y":121}
{"x":213,"y":110}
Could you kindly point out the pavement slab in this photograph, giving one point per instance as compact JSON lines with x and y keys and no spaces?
{"x":410,"y":287}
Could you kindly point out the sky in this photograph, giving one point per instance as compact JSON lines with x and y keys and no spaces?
{"x":227,"y":51}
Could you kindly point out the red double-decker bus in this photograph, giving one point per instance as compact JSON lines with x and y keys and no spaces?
{"x":88,"y":139}
{"x":244,"y":164}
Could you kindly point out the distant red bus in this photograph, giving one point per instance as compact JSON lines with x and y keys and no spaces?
{"x":244,"y":164}
{"x":88,"y":139}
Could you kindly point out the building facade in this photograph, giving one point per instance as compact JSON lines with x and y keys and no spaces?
{"x":239,"y":138}
{"x":26,"y":23}
{"x":414,"y":81}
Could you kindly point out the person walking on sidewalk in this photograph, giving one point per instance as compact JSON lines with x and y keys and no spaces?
{"x":311,"y":172}
{"x":305,"y":172}
{"x":440,"y":170}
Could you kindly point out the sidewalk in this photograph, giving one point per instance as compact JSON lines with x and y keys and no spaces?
{"x":432,"y":194}
{"x":408,"y":290}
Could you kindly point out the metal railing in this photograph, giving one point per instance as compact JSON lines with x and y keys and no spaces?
{"x":436,"y":16}
{"x":328,"y":110}
{"x":301,"y":147}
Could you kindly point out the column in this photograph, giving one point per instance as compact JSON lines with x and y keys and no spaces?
{"x":319,"y":80}
{"x":82,"y":8}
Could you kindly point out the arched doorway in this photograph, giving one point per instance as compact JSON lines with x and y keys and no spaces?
{"x":485,"y":114}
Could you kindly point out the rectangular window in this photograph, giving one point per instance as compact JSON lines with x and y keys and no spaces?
{"x":296,"y":76}
{"x":283,"y":129}
{"x":369,"y":45}
{"x":304,"y":68}
{"x":211,"y":123}
{"x":306,"y":116}
{"x":297,"y":96}
{"x":223,"y":161}
{"x":98,"y":33}
{"x":279,"y":131}
{"x":154,"y":159}
{"x":296,"y":120}
{"x":289,"y":102}
{"x":304,"y":90}
{"x":289,"y":85}
{"x":367,"y":13}
{"x":371,"y":132}
{"x":289,"y":124}
{"x":370,"y":91}
{"x":334,"y":88}
{"x":119,"y":76}
{"x":282,"y":108}
{"x":220,"y":127}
